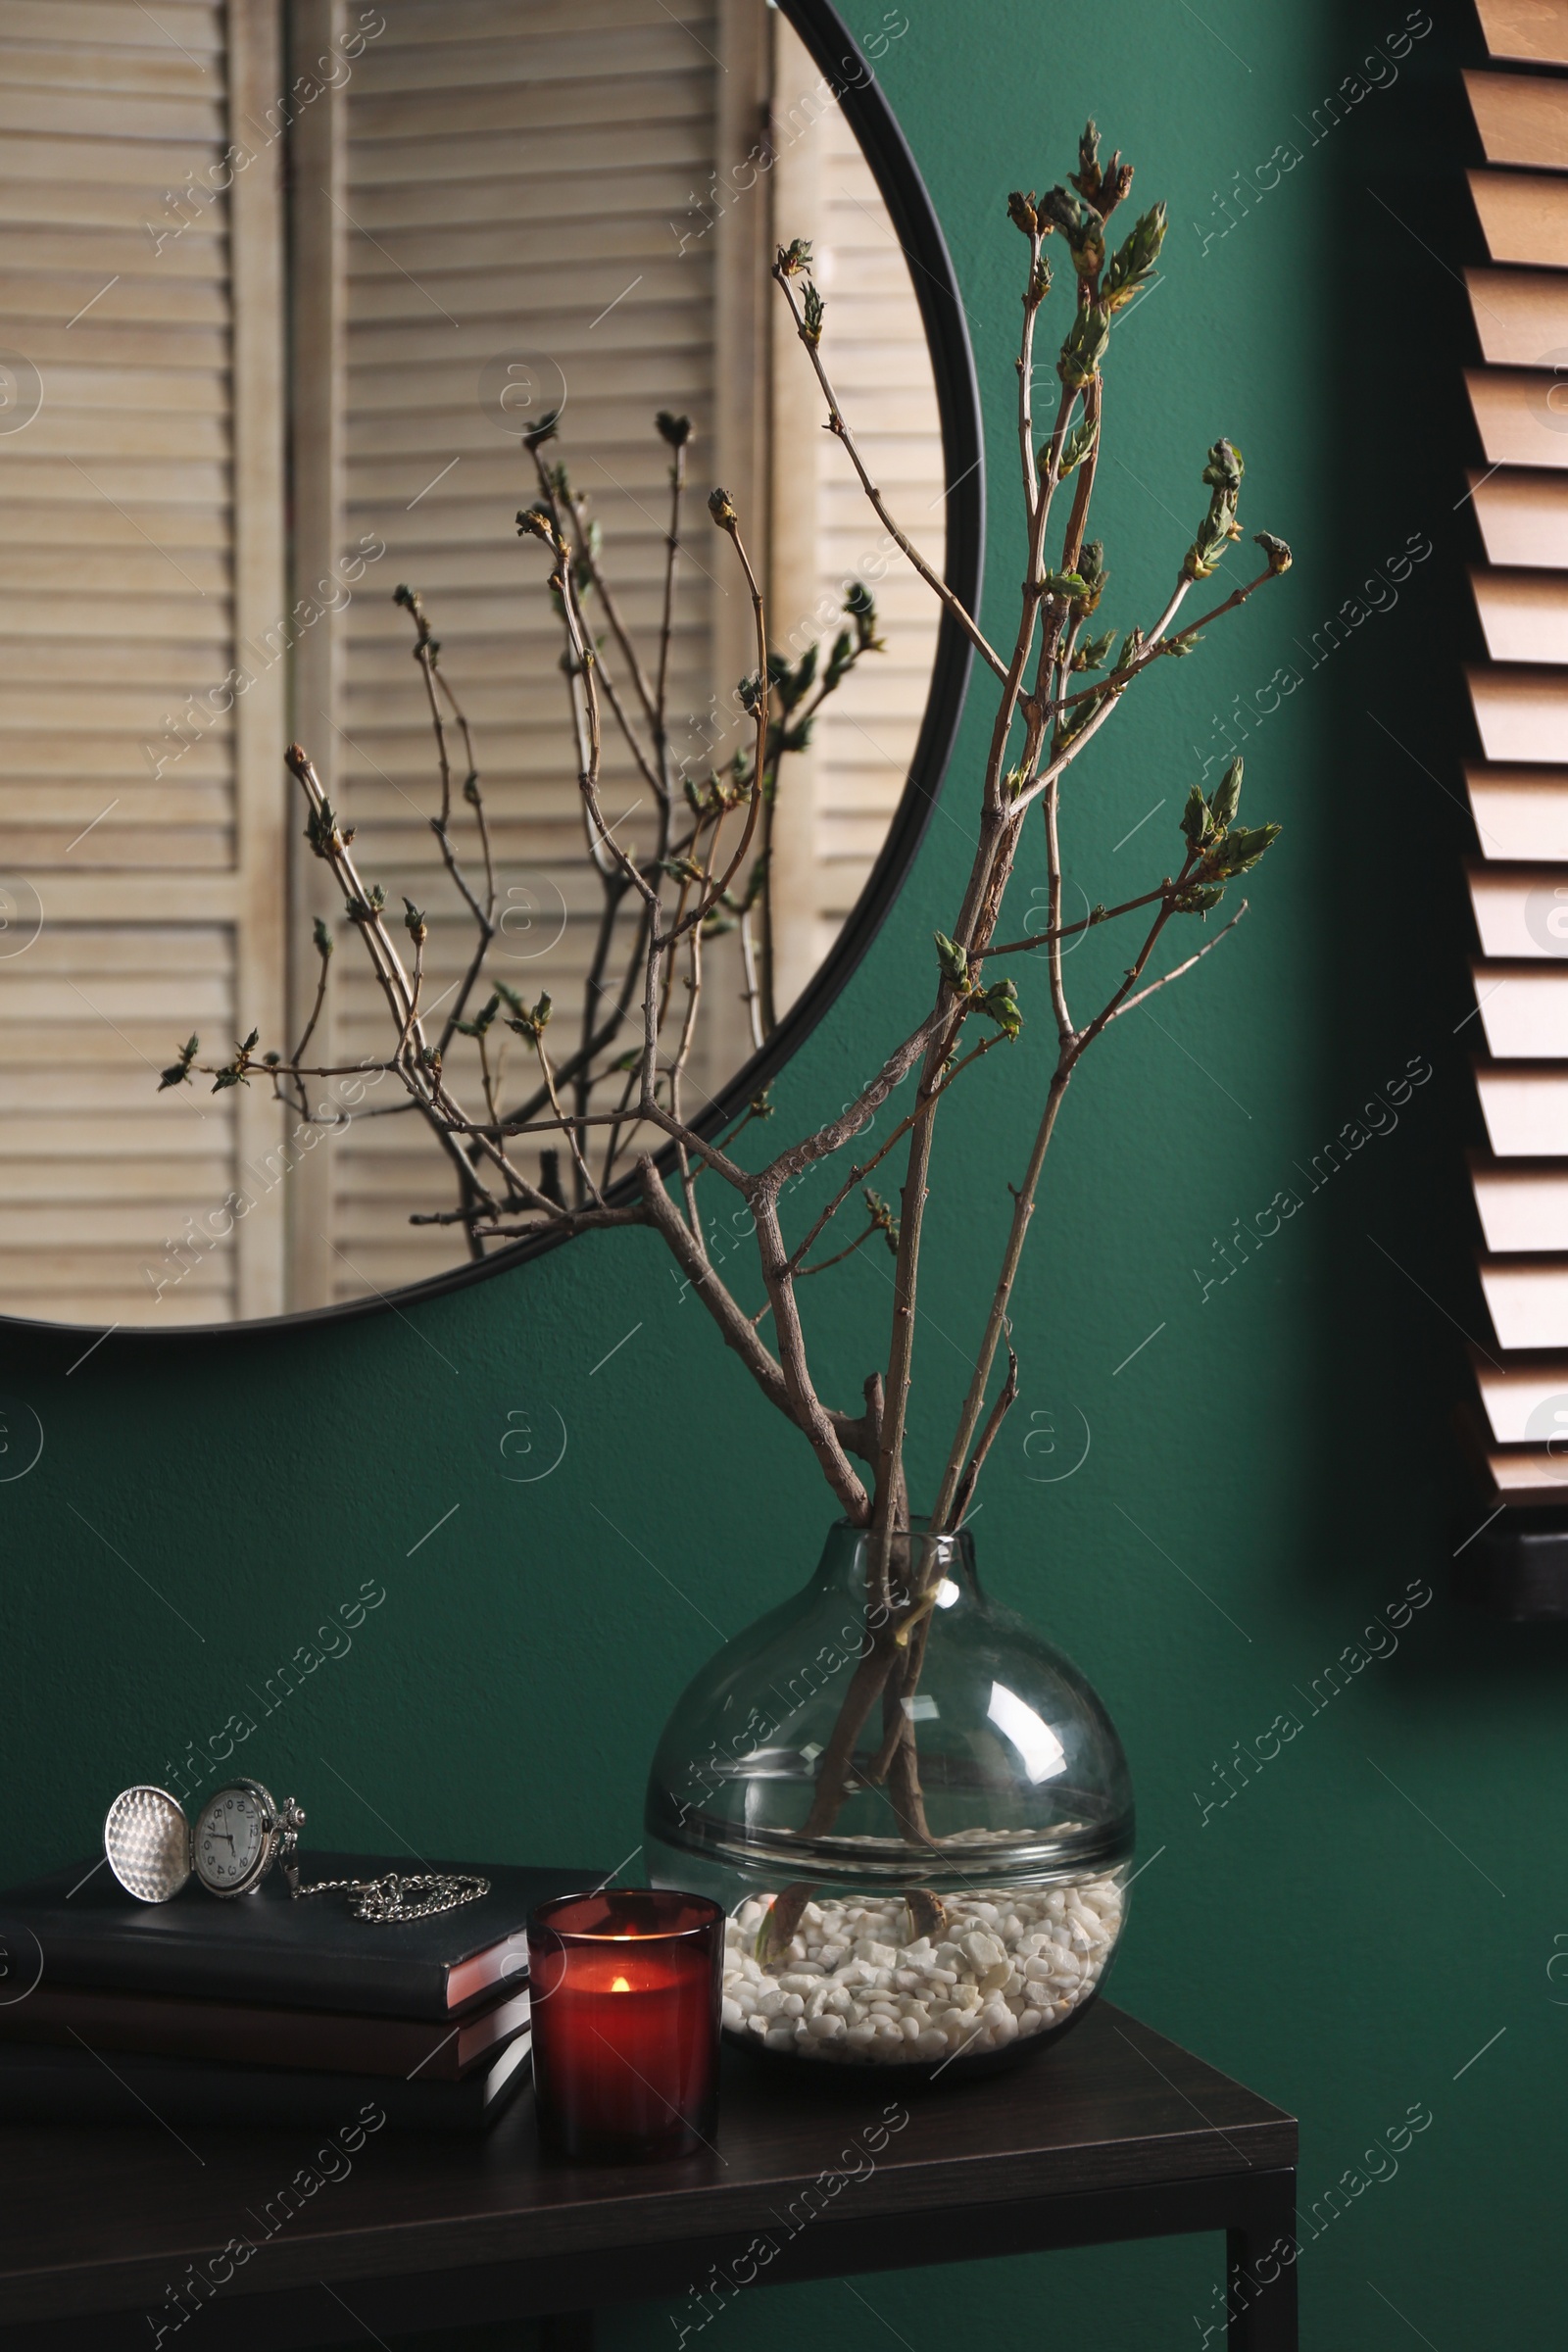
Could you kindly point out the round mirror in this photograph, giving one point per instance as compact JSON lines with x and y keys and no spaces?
{"x":316,"y":298}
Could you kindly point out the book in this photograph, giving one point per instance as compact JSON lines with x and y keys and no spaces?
{"x":263,"y":1947}
{"x":43,"y":2084}
{"x":242,"y":2033}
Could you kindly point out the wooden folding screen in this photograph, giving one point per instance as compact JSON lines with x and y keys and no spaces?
{"x":141,"y":504}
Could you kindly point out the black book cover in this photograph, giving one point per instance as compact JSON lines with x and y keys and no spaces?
{"x":40,"y":2085}
{"x":80,"y":1926}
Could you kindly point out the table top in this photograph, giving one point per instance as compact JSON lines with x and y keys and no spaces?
{"x":102,"y":2219}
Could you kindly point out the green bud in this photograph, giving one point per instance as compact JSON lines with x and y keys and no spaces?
{"x":1091,"y":655}
{"x":1228,"y":797}
{"x":1077,"y":446}
{"x":179,"y":1071}
{"x":1199,"y":901}
{"x":534,"y":522}
{"x":1240,"y":851}
{"x":1000,"y":1005}
{"x":1133,"y":265}
{"x":1082,"y":228}
{"x":1195,"y":819}
{"x":1084,"y":346}
{"x":954,"y":962}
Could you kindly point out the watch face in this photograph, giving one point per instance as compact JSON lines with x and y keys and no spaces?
{"x":229,"y":1841}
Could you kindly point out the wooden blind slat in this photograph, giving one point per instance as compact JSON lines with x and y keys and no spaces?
{"x":1526,"y":1108}
{"x":1520,"y":813}
{"x":1523,"y":1208}
{"x":1520,"y":415}
{"x":1523,"y":517}
{"x":1522,"y":714}
{"x":1534,"y":32}
{"x":1523,"y":614}
{"x":1524,"y":217}
{"x":1527,"y":1299}
{"x":1523,"y":1009}
{"x":1522,"y":118}
{"x":1521,"y":318}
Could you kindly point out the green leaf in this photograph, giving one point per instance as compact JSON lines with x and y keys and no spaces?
{"x":324,"y":939}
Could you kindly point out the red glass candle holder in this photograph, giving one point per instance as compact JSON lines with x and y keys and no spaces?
{"x":625,"y":1989}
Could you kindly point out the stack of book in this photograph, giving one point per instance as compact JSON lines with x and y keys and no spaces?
{"x":265,"y":2010}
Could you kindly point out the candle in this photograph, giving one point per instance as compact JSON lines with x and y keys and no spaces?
{"x":624,"y":2005}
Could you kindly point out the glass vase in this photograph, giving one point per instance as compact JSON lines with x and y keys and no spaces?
{"x":914,"y":1811}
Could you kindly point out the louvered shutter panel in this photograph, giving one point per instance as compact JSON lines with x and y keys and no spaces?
{"x":1519,"y":792}
{"x":558,"y":184}
{"x":515,"y":182}
{"x":825,"y":534}
{"x":883,"y":374}
{"x":141,"y":516}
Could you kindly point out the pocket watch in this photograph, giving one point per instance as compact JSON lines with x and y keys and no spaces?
{"x":239,"y":1834}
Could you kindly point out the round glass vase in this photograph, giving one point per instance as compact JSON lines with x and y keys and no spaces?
{"x":915,"y":1812}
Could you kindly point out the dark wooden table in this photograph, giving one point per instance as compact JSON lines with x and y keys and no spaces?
{"x":1114,"y":2133}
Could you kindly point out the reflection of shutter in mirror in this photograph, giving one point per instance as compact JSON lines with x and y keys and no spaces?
{"x":562,"y":190}
{"x":512,"y":175}
{"x":876,"y":350}
{"x":139,"y":811}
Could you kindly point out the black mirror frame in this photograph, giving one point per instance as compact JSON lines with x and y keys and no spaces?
{"x":846,"y":68}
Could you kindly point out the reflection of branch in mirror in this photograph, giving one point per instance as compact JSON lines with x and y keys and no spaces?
{"x":713,"y":896}
{"x":710,"y":865}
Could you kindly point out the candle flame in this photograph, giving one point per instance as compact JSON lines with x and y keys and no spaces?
{"x":620,"y":1986}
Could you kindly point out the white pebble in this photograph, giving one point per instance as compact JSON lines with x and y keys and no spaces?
{"x":855,"y":1985}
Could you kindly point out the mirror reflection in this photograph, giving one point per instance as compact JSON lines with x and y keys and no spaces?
{"x":303,"y":307}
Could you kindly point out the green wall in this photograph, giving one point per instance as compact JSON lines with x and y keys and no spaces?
{"x":1382,"y":1900}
